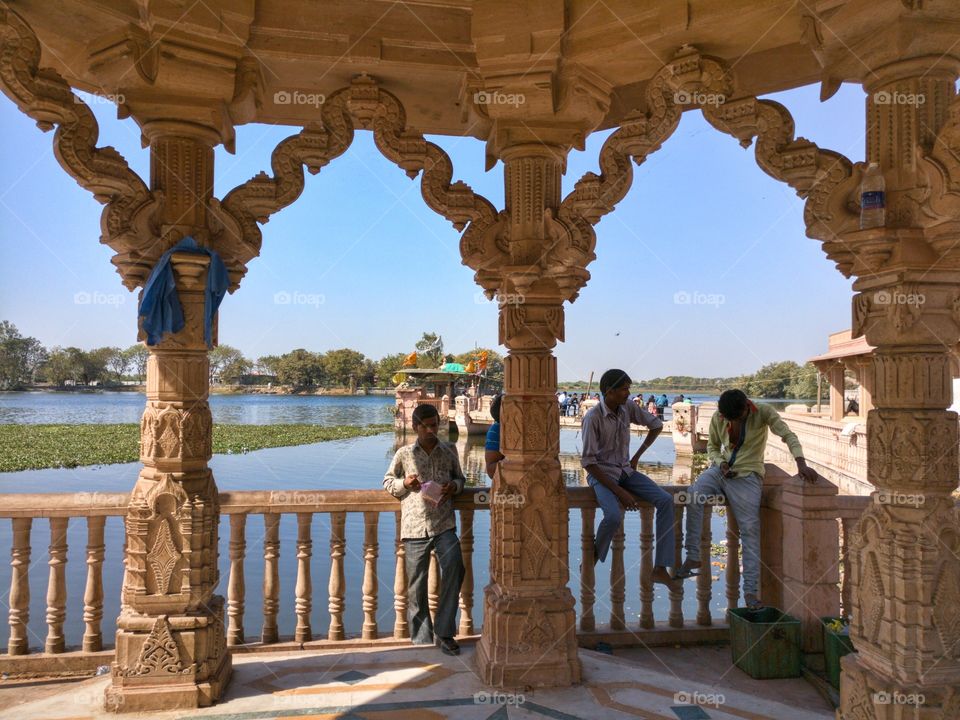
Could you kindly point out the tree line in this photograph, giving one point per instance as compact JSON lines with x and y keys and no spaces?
{"x":24,"y":361}
{"x":784,"y":379}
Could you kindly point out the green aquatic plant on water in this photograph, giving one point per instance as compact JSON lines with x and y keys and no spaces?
{"x":37,"y":447}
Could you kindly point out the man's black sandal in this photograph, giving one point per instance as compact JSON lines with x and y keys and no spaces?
{"x":448,"y":646}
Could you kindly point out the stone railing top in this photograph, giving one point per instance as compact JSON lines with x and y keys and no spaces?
{"x":94,"y":504}
{"x":820,"y":421}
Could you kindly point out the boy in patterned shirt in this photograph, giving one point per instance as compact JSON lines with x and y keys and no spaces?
{"x":427,"y":526}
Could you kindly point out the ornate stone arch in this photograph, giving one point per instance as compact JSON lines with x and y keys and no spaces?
{"x":129,"y":218}
{"x":130,"y":222}
{"x":643,"y":132}
{"x":366,"y":105}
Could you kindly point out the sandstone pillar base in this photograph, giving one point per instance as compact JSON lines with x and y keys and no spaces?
{"x":529,"y":640}
{"x":169,"y":662}
{"x":865,"y":695}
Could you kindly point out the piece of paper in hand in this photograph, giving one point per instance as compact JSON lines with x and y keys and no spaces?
{"x":432,"y":491}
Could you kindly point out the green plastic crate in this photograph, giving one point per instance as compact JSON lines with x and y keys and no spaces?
{"x":835,"y":646}
{"x":765,"y":643}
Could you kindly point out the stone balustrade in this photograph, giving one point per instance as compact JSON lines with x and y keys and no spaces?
{"x":836,"y":450}
{"x":611,"y":624}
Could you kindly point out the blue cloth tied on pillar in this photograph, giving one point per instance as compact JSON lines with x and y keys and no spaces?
{"x":160,"y":308}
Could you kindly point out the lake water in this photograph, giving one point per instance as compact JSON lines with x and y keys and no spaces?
{"x":127,"y":407}
{"x":348,"y":464}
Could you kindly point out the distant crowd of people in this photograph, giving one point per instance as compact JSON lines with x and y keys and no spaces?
{"x":572,"y":404}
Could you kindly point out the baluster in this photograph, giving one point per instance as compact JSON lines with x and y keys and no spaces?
{"x":705,"y":579}
{"x":588,"y":594}
{"x":371,"y":549}
{"x":466,"y":588}
{"x":337,"y":523}
{"x":19,"y":614}
{"x":846,"y":585}
{"x":93,"y":594}
{"x":646,"y":568}
{"x":57,"y":586}
{"x":733,"y":560}
{"x":271,"y":577}
{"x":401,"y":629}
{"x":236,"y":589}
{"x":617,"y":582}
{"x":304,"y":588}
{"x":433,"y":586}
{"x":676,"y":595}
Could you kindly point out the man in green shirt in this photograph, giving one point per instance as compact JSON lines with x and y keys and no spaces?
{"x":738,"y":437}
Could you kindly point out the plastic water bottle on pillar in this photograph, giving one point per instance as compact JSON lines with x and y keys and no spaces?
{"x":872,"y":198}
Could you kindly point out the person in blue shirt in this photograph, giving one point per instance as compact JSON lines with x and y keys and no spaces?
{"x":492,"y":453}
{"x":662,"y":403}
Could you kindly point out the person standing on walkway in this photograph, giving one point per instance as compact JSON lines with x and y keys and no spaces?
{"x":614,"y":477}
{"x":425,"y":476}
{"x":661,"y":405}
{"x":738,"y":437}
{"x":492,"y":455}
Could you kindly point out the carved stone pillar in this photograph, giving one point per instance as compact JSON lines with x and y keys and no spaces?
{"x":171,"y":646}
{"x":905,"y":552}
{"x":838,"y":384}
{"x":865,"y":377}
{"x":529,"y":628}
{"x":906,"y":548}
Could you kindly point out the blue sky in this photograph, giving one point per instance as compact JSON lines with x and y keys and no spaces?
{"x":701,"y":223}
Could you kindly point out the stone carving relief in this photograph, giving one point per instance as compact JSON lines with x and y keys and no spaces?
{"x":537,"y":631}
{"x":911,"y":450}
{"x":366,"y":105}
{"x":160,"y":654}
{"x":535,"y":563}
{"x":871,"y":598}
{"x":859,"y":705}
{"x":156,"y":528}
{"x":163,"y":556}
{"x":946,"y":609}
{"x":171,"y":433}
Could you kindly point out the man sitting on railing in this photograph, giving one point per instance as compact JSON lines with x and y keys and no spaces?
{"x":614,"y":478}
{"x":425,"y":476}
{"x":738,"y":437}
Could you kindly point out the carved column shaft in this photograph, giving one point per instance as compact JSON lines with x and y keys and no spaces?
{"x":170,"y":631}
{"x":905,"y":550}
{"x":529,"y":624}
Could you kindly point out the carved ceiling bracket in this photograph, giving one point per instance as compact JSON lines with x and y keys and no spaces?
{"x":826,"y":180}
{"x":365,"y":105}
{"x":680,"y":82}
{"x":128,"y":222}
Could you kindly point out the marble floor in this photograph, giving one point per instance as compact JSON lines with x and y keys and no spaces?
{"x":421,"y":683}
